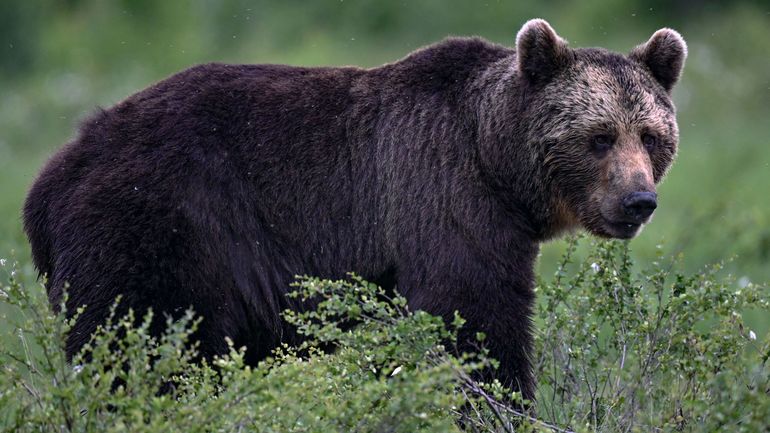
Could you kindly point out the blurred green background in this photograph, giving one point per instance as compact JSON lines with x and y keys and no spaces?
{"x":59,"y":60}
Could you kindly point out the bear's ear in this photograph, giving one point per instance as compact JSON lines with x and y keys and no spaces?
{"x":663,"y":55}
{"x":540,"y":52}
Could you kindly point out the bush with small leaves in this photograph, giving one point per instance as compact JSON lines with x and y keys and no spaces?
{"x":649,"y":351}
{"x":390,"y":372}
{"x":617,"y":350}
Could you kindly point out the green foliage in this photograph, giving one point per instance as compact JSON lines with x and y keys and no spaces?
{"x":650,"y":351}
{"x":390,"y":372}
{"x":617,"y":350}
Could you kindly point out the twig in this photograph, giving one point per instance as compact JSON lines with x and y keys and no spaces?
{"x":496,"y":406}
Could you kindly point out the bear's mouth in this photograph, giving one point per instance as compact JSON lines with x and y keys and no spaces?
{"x":622,"y":229}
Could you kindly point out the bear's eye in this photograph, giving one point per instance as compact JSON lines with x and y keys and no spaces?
{"x":601,"y":143}
{"x":649,"y":141}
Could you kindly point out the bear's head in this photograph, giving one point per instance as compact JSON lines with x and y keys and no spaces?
{"x":602,"y":125}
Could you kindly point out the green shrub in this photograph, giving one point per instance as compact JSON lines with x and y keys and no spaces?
{"x":390,"y":373}
{"x":617,"y":350}
{"x":655,"y":350}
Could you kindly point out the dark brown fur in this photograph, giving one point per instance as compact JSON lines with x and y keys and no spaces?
{"x":438,"y":174}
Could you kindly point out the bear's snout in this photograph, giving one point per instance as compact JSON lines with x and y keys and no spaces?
{"x":623,"y":215}
{"x":638,"y":206}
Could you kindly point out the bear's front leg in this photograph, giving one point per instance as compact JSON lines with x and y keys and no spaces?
{"x":508,"y":338}
{"x":494,"y":297}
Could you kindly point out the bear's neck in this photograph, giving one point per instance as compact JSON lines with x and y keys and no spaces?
{"x":511,"y":165}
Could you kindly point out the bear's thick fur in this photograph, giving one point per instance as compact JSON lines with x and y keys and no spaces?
{"x":438,"y":174}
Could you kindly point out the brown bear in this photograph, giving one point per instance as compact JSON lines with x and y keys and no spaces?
{"x":437,"y":175}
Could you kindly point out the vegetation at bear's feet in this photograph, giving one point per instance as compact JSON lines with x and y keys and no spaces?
{"x":617,"y":351}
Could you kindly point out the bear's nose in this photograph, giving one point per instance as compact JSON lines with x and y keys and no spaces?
{"x":640,"y":205}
